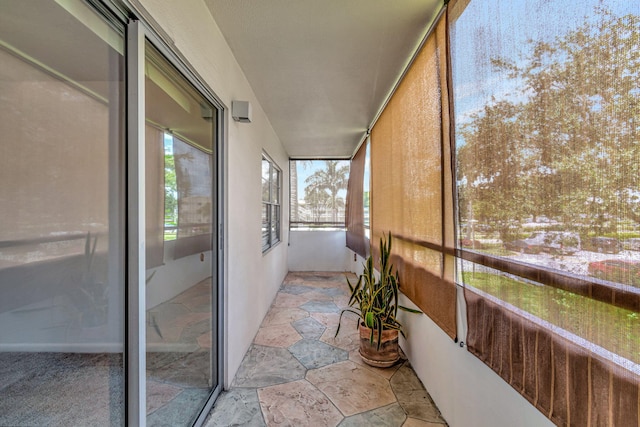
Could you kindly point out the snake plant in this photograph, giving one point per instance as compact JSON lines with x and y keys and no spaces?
{"x":375,"y":301}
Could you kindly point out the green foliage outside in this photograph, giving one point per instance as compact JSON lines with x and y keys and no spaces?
{"x":170,"y":198}
{"x":613,"y":328}
{"x":170,"y":190}
{"x":568,"y":145}
{"x":322,"y":187}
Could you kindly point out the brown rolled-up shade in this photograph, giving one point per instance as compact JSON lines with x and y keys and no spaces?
{"x":409,"y":148}
{"x":570,"y":383}
{"x":356,"y":239}
{"x":195,"y":202}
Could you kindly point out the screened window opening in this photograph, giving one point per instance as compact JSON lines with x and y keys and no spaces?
{"x":170,"y":189}
{"x":547,"y":156}
{"x":318,"y":193}
{"x":271,"y":210}
{"x":366,"y":192}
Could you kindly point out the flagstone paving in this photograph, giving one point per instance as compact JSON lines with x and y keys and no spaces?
{"x":297,"y":373}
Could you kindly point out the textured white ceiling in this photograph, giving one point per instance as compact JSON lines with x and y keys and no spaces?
{"x":321,"y":69}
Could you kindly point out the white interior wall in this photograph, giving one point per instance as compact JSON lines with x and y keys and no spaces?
{"x":465,"y":390}
{"x":251,"y":279}
{"x":324,"y":250}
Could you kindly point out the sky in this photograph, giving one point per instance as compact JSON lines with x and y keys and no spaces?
{"x":490,"y":29}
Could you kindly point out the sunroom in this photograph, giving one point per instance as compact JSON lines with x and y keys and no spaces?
{"x":170,"y":168}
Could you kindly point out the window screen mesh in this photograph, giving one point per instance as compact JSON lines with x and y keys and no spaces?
{"x":546,"y":122}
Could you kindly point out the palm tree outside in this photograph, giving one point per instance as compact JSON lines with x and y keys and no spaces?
{"x":330,"y":180}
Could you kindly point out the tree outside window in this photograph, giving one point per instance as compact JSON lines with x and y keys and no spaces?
{"x":318,"y":192}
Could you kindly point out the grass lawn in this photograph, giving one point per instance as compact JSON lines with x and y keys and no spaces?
{"x":613,"y":328}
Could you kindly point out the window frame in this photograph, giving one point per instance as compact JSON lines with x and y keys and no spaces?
{"x":272,"y":205}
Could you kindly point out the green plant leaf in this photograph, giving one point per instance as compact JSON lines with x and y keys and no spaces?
{"x":409,"y":310}
{"x":369,"y":320}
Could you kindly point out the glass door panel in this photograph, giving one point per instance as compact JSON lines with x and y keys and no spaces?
{"x":61,"y":204}
{"x":180,"y":205}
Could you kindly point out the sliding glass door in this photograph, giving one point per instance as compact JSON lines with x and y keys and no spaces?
{"x":73,"y":219}
{"x":61,"y":204}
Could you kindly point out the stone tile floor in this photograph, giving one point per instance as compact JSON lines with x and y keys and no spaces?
{"x":296,"y":373}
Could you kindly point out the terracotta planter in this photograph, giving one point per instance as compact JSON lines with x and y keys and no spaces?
{"x":387,"y":355}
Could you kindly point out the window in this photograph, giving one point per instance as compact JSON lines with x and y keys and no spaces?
{"x":546,"y":124}
{"x":170,"y":190}
{"x":318,"y":193}
{"x":366,"y":191}
{"x":271,"y":213}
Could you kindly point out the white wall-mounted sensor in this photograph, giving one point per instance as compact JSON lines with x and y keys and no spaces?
{"x":241,"y":111}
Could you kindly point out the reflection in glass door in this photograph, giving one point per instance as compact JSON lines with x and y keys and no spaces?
{"x":61,"y":205}
{"x":180,"y":261}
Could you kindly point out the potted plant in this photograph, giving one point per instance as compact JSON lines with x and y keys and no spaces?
{"x":375,"y":301}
